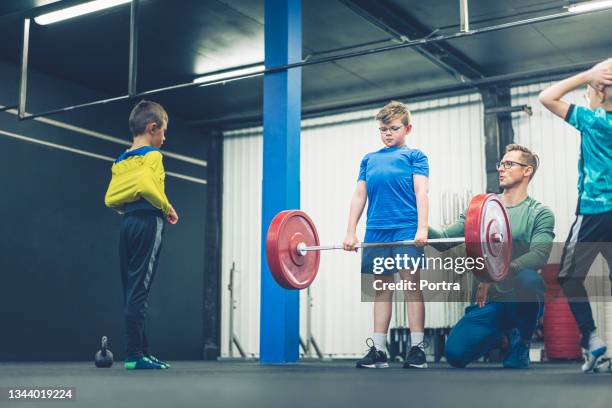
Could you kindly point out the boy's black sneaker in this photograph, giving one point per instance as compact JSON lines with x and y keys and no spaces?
{"x":374,"y":358}
{"x":416,"y":358}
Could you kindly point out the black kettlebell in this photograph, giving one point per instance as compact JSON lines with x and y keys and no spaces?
{"x":104,"y":357}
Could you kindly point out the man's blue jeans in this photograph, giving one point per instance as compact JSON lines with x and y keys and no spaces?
{"x":481,"y":328}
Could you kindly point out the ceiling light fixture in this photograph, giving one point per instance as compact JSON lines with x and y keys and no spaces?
{"x":220,"y":77}
{"x":78,"y":10}
{"x":590,"y":6}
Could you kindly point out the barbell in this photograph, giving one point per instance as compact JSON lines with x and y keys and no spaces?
{"x":293,"y":247}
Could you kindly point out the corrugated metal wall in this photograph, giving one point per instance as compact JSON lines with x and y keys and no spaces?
{"x":448,"y":130}
{"x":558,"y":145}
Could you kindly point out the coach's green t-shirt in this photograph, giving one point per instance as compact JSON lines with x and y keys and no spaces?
{"x":532,"y":226}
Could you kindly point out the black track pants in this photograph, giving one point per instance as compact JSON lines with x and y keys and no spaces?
{"x":139,"y":247}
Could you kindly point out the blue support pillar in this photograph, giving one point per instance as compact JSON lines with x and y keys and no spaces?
{"x":280,"y":315}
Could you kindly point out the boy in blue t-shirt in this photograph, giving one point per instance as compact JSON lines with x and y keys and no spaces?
{"x":394,"y":180}
{"x":591,"y":232}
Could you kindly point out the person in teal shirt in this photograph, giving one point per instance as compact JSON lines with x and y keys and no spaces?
{"x":591,"y":232}
{"x":513,"y":305}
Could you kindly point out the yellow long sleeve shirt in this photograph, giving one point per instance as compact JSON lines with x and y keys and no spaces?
{"x":138,"y":175}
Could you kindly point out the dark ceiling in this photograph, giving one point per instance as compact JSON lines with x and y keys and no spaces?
{"x":181,"y":39}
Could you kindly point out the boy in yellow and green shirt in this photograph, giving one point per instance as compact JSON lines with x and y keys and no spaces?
{"x":137,"y":191}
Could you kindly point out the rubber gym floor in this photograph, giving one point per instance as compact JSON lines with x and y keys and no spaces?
{"x":312,"y":384}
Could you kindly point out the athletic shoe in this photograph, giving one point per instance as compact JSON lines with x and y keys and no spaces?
{"x":518,"y":353}
{"x":594,"y":349}
{"x":591,"y":358}
{"x":142,"y":363}
{"x":374,"y":358}
{"x":156,"y":360}
{"x":416,"y":357}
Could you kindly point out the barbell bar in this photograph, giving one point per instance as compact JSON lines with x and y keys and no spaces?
{"x":302,"y":249}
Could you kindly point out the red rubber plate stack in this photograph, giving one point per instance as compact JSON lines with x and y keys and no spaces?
{"x":287,"y":230}
{"x":561,"y":334}
{"x":488,"y":235}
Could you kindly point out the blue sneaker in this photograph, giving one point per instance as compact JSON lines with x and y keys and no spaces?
{"x":518,"y":353}
{"x":157,"y":360}
{"x":142,"y":363}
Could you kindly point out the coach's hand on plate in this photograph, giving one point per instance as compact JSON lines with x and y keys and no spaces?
{"x":482,"y":293}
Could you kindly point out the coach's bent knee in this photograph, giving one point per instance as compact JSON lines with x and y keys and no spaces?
{"x":455,"y":355}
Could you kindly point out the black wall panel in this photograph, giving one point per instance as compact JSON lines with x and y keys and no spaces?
{"x":60,"y":289}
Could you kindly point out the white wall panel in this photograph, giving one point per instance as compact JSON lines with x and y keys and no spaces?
{"x":241,"y":237}
{"x":448,"y":130}
{"x":558,"y":145}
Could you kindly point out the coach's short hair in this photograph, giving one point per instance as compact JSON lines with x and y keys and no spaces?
{"x":529,"y":157}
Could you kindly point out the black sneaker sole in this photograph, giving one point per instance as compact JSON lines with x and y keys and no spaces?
{"x":377,"y":365}
{"x":424,"y":365}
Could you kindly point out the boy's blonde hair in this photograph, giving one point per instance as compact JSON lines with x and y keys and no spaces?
{"x":529,"y":157}
{"x":394,"y":110}
{"x":146,"y":112}
{"x":607,"y":64}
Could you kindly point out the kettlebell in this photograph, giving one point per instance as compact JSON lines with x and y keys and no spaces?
{"x":104,"y":357}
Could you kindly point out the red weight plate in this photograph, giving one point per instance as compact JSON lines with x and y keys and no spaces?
{"x":488,"y":235}
{"x":287,"y":230}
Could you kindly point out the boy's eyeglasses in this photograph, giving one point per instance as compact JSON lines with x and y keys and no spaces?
{"x":391,"y":129}
{"x":508,"y":164}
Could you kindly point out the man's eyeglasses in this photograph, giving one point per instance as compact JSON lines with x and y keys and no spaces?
{"x":391,"y":129}
{"x":509,"y":164}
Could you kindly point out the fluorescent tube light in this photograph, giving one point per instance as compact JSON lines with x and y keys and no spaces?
{"x":78,"y":10}
{"x":590,"y":6}
{"x":256,"y":70}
